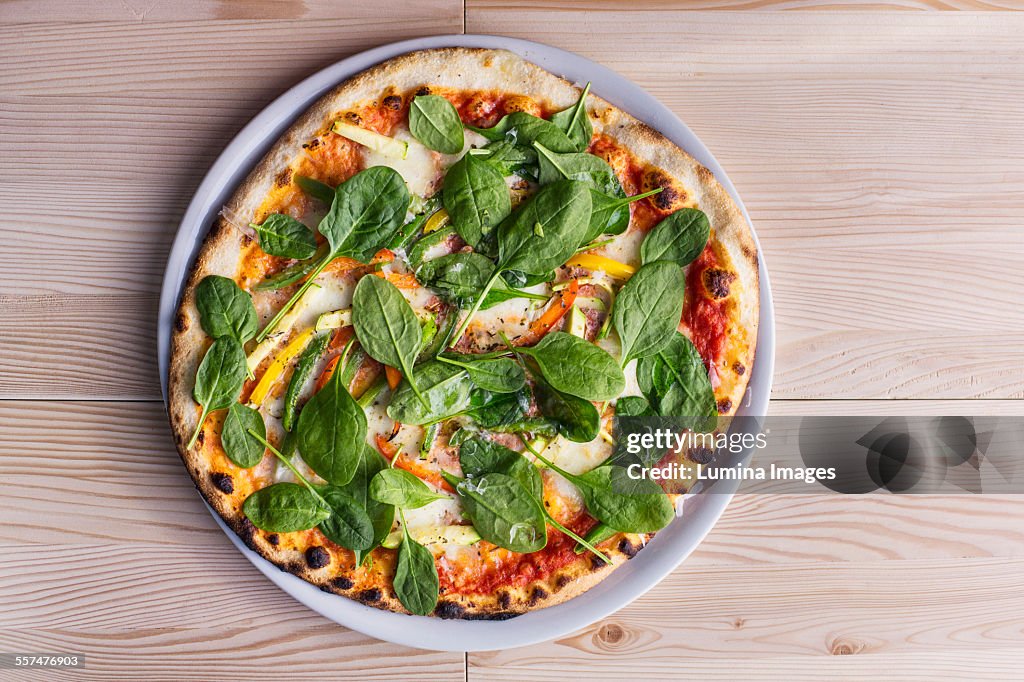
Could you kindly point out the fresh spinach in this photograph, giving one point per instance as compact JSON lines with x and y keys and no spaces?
{"x":524,"y":129}
{"x":509,"y":158}
{"x":348,"y":525}
{"x":610,"y":215}
{"x":543,"y":233}
{"x":294,"y":272}
{"x":575,"y":366}
{"x":285,"y":508}
{"x":382,"y":516}
{"x":315,"y":188}
{"x":225,"y":310}
{"x":418,"y":252}
{"x":675,"y":381}
{"x":501,"y":292}
{"x":495,"y":411}
{"x":633,"y":406}
{"x":416,"y":581}
{"x":478,"y":457}
{"x":577,"y":419}
{"x":284,"y":236}
{"x":412,"y":229}
{"x":331,"y":432}
{"x":368,"y":209}
{"x":575,"y":122}
{"x":402,"y":489}
{"x":498,"y":375}
{"x":595,"y":536}
{"x":679,"y":238}
{"x":648,"y":309}
{"x":303,"y":370}
{"x":618,"y":501}
{"x":386,"y":326}
{"x":580,"y":166}
{"x":219,"y":379}
{"x":445,"y":389}
{"x":476,"y":198}
{"x":458,"y":277}
{"x":241,"y":448}
{"x":434,"y":121}
{"x":503,"y":511}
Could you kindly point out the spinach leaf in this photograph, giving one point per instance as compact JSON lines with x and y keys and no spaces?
{"x":543,"y":233}
{"x":633,"y":406}
{"x":386,"y":326}
{"x":618,"y":501}
{"x":534,"y":426}
{"x":416,"y":581}
{"x":575,"y":122}
{"x":509,"y":158}
{"x":498,"y":375}
{"x":315,"y":188}
{"x":648,"y":309}
{"x":458,"y":277}
{"x":496,"y":411}
{"x":294,"y":272}
{"x":240,"y":447}
{"x":402,"y":489}
{"x":434,"y":121}
{"x":503,"y":512}
{"x":348,"y":525}
{"x":679,"y":238}
{"x":382,"y":516}
{"x":225,"y":310}
{"x":331,"y":432}
{"x":476,"y":198}
{"x":610,"y":214}
{"x":303,"y":370}
{"x":368,"y":209}
{"x":501,"y":293}
{"x":412,"y":229}
{"x":284,"y":236}
{"x":444,"y":388}
{"x":439,"y":341}
{"x":575,"y":366}
{"x":478,"y":457}
{"x":596,"y":536}
{"x":577,"y":419}
{"x":524,"y":129}
{"x":675,"y":381}
{"x":284,"y":508}
{"x":580,"y":166}
{"x":219,"y":379}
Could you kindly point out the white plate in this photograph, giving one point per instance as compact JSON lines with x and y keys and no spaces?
{"x":671,"y":545}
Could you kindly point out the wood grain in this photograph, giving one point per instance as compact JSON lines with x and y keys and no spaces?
{"x":897,"y":173}
{"x":612,"y":6}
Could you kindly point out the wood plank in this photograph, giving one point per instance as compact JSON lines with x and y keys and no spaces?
{"x":611,"y":6}
{"x":883,"y":175}
{"x":315,"y":649}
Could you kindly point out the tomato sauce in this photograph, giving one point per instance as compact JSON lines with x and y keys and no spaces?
{"x":702,"y":315}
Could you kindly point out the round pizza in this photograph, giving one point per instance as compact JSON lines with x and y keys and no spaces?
{"x":400,"y":357}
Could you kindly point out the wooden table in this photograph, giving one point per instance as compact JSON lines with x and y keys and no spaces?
{"x":880,"y":154}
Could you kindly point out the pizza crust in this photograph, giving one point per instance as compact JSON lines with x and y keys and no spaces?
{"x":221,"y":253}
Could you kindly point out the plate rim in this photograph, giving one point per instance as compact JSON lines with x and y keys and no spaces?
{"x":666,"y":551}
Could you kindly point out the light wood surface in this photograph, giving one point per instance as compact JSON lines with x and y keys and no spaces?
{"x":879,"y":154}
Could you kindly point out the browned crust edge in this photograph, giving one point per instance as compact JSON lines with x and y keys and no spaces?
{"x":464,"y":68}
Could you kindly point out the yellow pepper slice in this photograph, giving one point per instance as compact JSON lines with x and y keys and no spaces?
{"x":436,"y":221}
{"x":276,"y":369}
{"x":593,"y":262}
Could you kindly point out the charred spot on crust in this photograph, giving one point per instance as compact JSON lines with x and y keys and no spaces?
{"x":423,"y":91}
{"x":353,"y":118}
{"x":724,"y":405}
{"x":245,"y":531}
{"x":701,"y":455}
{"x":181,"y":323}
{"x":317,"y":557}
{"x":561,"y":581}
{"x":739,"y":368}
{"x":538,"y":594}
{"x":718,"y":281}
{"x":274,"y":539}
{"x":596,"y":563}
{"x":222,"y":482}
{"x":671,"y":197}
{"x":312,"y":144}
{"x":370,"y":596}
{"x":449,"y":610}
{"x":392,"y":102}
{"x":628,"y":548}
{"x":342,"y":583}
{"x":504,"y":600}
{"x":283,"y":178}
{"x":201,"y":438}
{"x":704,"y":174}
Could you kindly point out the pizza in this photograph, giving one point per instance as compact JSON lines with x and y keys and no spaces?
{"x":400,"y":354}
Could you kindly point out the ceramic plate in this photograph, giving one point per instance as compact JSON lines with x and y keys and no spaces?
{"x":628,"y":582}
